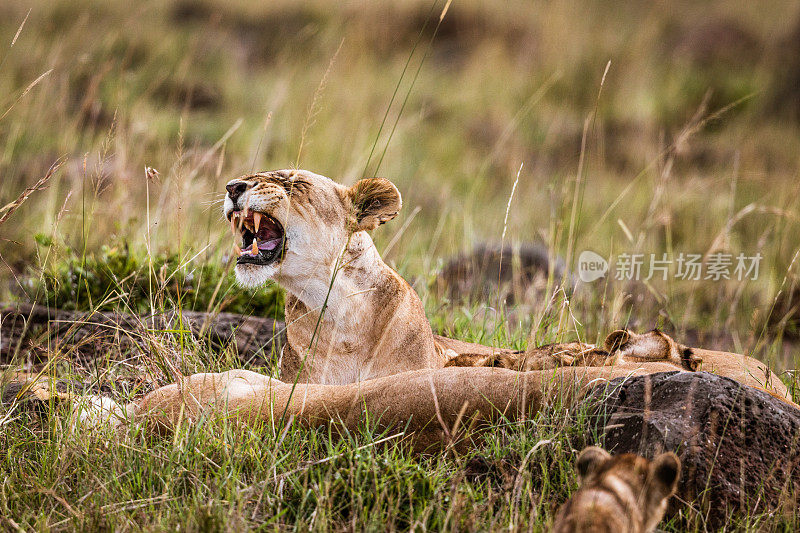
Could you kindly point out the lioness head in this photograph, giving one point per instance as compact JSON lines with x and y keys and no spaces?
{"x":293,"y":224}
{"x":620,"y":493}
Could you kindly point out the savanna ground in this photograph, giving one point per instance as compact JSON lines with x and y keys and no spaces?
{"x":628,"y":127}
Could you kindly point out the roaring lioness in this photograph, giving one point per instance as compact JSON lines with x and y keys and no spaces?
{"x":621,"y":493}
{"x":349,"y":316}
{"x":358,"y":338}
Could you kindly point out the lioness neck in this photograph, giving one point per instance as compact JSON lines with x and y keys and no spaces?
{"x":355,"y":320}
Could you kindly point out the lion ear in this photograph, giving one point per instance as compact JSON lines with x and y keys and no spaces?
{"x":589,"y":460}
{"x":616,"y":340}
{"x":691,"y":361}
{"x":375,"y":201}
{"x":665,"y":471}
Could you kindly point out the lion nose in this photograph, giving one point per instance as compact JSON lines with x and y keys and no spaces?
{"x":236,"y":189}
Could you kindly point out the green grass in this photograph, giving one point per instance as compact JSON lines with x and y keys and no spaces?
{"x":100,"y":281}
{"x":216,"y":477}
{"x":206,"y":479}
{"x":690,"y":146}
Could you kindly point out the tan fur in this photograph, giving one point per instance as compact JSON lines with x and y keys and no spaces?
{"x":657,"y":346}
{"x":359,"y":341}
{"x":624,"y":493}
{"x":434,"y":406}
{"x":373,"y":322}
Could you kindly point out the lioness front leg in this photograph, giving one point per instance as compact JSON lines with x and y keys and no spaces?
{"x":429,"y":404}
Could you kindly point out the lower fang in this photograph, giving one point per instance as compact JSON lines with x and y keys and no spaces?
{"x":254,"y":247}
{"x":237,"y":249}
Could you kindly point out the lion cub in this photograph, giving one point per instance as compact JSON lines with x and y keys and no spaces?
{"x":621,"y":346}
{"x":624,"y":493}
{"x":539,"y":358}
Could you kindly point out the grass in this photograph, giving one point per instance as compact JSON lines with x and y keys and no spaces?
{"x":95,"y":281}
{"x":305,"y":479}
{"x":691,"y":146}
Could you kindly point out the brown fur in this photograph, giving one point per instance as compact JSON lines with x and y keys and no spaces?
{"x":374,"y":201}
{"x":539,"y":358}
{"x":434,"y":406}
{"x":624,"y":493}
{"x":651,"y":346}
{"x":373,"y":323}
{"x":625,"y":346}
{"x":657,"y":346}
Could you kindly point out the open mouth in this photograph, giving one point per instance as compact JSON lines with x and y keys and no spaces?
{"x":262,"y":238}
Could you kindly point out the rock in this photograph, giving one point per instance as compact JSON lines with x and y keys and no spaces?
{"x":521,"y":272}
{"x":739,"y":446}
{"x":718,"y":42}
{"x":35,"y":330}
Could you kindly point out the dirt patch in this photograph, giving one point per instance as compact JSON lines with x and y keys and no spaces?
{"x":499,"y":473}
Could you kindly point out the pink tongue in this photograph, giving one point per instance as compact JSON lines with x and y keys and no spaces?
{"x":270,"y":244}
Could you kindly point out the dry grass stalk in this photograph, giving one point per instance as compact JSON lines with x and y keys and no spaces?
{"x":11,"y":207}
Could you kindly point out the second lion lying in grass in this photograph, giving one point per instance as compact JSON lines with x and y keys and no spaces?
{"x":624,"y":346}
{"x":619,"y":347}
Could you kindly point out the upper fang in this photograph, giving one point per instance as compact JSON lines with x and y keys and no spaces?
{"x":256,"y":220}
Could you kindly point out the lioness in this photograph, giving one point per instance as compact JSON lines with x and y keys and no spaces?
{"x":621,"y":493}
{"x":349,"y":316}
{"x":358,"y":338}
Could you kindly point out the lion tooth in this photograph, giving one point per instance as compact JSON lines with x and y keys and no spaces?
{"x":233,"y":225}
{"x":237,"y":249}
{"x":257,"y":220}
{"x":254,"y":247}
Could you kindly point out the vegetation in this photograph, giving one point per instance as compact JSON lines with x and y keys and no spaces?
{"x":98,"y":282}
{"x":616,"y":127}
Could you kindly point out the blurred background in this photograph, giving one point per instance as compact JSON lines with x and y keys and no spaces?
{"x":629,"y":127}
